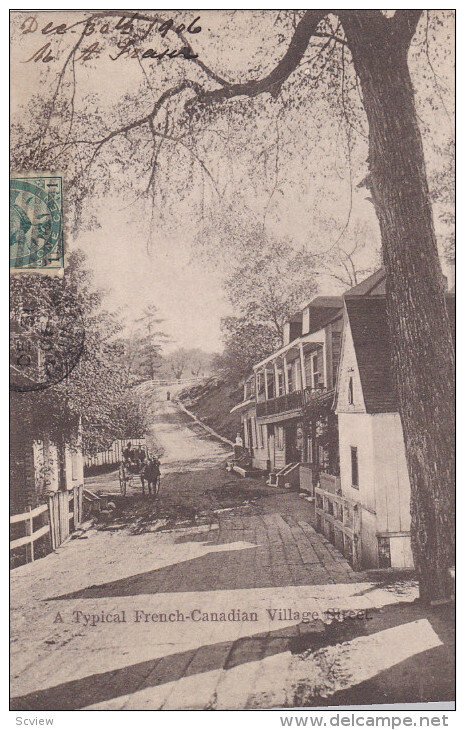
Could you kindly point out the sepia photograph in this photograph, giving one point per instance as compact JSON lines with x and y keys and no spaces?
{"x":232,"y":359}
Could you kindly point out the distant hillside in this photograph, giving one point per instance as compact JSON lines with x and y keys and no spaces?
{"x":211,"y":401}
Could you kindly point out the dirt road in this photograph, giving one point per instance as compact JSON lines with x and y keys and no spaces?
{"x":220,"y":596}
{"x":181,"y":443}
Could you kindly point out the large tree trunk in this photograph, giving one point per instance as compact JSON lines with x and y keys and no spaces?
{"x":423,"y":356}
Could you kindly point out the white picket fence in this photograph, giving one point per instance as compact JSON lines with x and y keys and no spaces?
{"x":112,"y":455}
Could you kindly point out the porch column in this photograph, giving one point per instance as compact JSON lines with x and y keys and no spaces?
{"x":302,"y":365}
{"x":246,"y":432}
{"x":265,"y":375}
{"x":286,"y":375}
{"x":325,"y":372}
{"x":276,"y":378}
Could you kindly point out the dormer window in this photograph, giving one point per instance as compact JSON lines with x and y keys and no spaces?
{"x":351,"y":391}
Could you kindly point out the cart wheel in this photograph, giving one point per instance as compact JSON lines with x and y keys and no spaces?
{"x":122,"y":480}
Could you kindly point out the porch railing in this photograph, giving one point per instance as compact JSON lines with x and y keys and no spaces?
{"x":339,"y":519}
{"x":292,"y":401}
{"x":330,"y":483}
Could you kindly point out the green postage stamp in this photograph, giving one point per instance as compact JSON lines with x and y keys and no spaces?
{"x":36,"y":223}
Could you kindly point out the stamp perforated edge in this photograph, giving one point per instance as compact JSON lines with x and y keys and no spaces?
{"x":44,"y":270}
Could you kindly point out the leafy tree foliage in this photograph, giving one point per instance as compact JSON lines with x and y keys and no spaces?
{"x":186,"y":363}
{"x":362,"y":71}
{"x":149,"y":340}
{"x":96,"y":390}
{"x":247,"y":341}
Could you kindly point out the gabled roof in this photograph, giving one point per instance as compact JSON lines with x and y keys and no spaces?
{"x":370,"y":335}
{"x":324,"y":317}
{"x":368,"y":325}
{"x":325,"y":301}
{"x":373,"y":285}
{"x":296,"y":317}
{"x":322,"y":301}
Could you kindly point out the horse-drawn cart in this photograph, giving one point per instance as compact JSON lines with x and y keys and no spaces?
{"x":127,"y":473}
{"x":146,"y":471}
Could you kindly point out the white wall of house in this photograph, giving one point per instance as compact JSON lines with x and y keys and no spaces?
{"x":278,"y":458}
{"x":269,"y":443}
{"x":260,"y":460}
{"x":349,"y":385}
{"x":74,"y":466}
{"x":255,"y":439}
{"x":392,"y":486}
{"x":356,"y":432}
{"x":46,"y":466}
{"x":383,"y":489}
{"x":391,"y":475}
{"x":45,"y":455}
{"x":401,"y":551}
{"x":53,"y":467}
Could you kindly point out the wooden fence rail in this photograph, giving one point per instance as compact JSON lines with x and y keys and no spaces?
{"x":61,"y":515}
{"x":339,"y":519}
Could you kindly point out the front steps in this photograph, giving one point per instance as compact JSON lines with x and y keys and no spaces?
{"x":244,"y":472}
{"x":287,"y":477}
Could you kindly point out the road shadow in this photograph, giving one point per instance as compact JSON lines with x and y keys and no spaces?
{"x":426,"y":676}
{"x":139,"y":514}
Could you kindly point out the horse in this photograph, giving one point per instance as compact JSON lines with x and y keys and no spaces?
{"x":150,"y":473}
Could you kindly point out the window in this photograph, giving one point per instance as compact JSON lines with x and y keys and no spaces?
{"x":279,"y":437}
{"x":259,"y":436}
{"x":290,"y":378}
{"x":351,"y":391}
{"x":263,"y":435}
{"x":298,"y":375}
{"x":270,"y":385}
{"x":354,"y":465}
{"x":315,"y":372}
{"x":253,"y":423}
{"x":309,"y":450}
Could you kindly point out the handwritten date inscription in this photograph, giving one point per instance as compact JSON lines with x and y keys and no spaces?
{"x":125,"y":37}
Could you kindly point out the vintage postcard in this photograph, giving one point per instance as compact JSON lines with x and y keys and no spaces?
{"x":232,"y":378}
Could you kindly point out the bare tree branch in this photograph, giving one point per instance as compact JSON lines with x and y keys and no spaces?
{"x":273,"y":82}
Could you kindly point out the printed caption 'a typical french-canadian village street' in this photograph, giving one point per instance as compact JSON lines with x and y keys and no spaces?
{"x":217,"y":594}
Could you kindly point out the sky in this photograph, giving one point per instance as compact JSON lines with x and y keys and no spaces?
{"x":188,"y":293}
{"x":306,"y":192}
